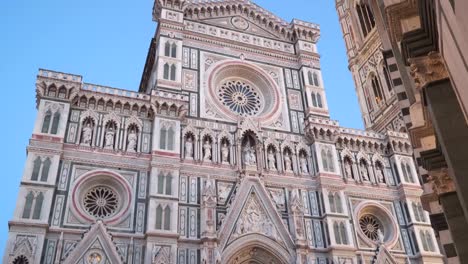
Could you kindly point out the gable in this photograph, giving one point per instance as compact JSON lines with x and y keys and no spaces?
{"x":96,"y":246}
{"x":253,"y":213}
{"x":240,"y":24}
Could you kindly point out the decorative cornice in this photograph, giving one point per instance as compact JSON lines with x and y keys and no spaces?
{"x":441,"y":181}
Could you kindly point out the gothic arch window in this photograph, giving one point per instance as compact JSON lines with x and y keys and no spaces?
{"x":310,"y":77}
{"x":415,"y":243}
{"x":167,"y":49}
{"x":165,"y":184}
{"x":343,"y":233}
{"x":377,"y":89}
{"x":429,"y":241}
{"x":28,"y":205}
{"x":319,"y":100}
{"x":167,"y":218}
{"x":336,"y":230}
{"x":370,"y":106}
{"x":328,"y":162}
{"x":314,"y":100}
{"x":173,"y":72}
{"x":21,"y":260}
{"x":316,"y":80}
{"x":38,"y":206}
{"x":62,"y":93}
{"x":166,"y":137}
{"x":339,"y":205}
{"x":52,"y":91}
{"x":36,"y":169}
{"x":407,"y":173}
{"x":170,"y":49}
{"x":366,"y":18}
{"x":174,"y":50}
{"x":159,"y":216}
{"x":46,"y":122}
{"x":331,"y":201}
{"x":55,"y":123}
{"x":421,"y":213}
{"x":166,"y":71}
{"x":425,"y":245}
{"x":45,"y":170}
{"x":163,"y":218}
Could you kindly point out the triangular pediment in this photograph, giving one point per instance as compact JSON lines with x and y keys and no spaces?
{"x":96,"y":245}
{"x":240,"y":23}
{"x":254,"y":213}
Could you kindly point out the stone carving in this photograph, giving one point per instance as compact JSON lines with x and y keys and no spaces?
{"x":254,"y":219}
{"x":287,"y":162}
{"x":271,"y":160}
{"x":207,"y":150}
{"x":427,"y":69}
{"x":278,"y":198}
{"x":223,"y":192}
{"x":348,"y":170}
{"x":87,"y":134}
{"x":249,"y":155}
{"x":441,"y":181}
{"x":379,"y":175}
{"x":160,"y":255}
{"x":132,"y":141}
{"x":189,"y":148}
{"x":364,"y":172}
{"x":303,"y":161}
{"x":225,"y":153}
{"x":109,"y":138}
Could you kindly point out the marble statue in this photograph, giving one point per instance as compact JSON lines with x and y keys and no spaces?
{"x":380,"y":176}
{"x":287,"y":162}
{"x":271,"y":160}
{"x":109,"y":138}
{"x":207,"y":149}
{"x":87,"y":134}
{"x":303,"y":161}
{"x":348,"y":170}
{"x":249,"y":155}
{"x":189,"y":148}
{"x":132,"y":141}
{"x":225,"y":153}
{"x":364,"y":172}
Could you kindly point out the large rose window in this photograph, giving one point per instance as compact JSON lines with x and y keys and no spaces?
{"x":102,"y":195}
{"x":370,"y":226}
{"x":238,"y":88}
{"x":240,"y":97}
{"x":101,"y":202}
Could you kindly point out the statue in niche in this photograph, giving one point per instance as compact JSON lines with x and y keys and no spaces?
{"x":109,"y":138}
{"x":287,"y":161}
{"x":348,"y":170}
{"x":87,"y":134}
{"x":379,"y":175}
{"x":207,"y":149}
{"x":364,"y":172}
{"x":225,"y":153}
{"x":303,"y":161}
{"x":271,"y":160}
{"x":132,"y":141}
{"x":189,"y":148}
{"x":249,"y":155}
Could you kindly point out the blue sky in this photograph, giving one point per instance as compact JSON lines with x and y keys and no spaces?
{"x":106,"y":42}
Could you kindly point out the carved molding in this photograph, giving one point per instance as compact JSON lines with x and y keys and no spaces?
{"x":441,"y":181}
{"x":427,"y":69}
{"x":396,"y":13}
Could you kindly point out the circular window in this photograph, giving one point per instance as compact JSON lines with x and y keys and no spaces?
{"x":239,"y":88}
{"x":376,"y":224}
{"x":240,"y":97}
{"x":101,"y":202}
{"x":102,"y":195}
{"x":370,"y":226}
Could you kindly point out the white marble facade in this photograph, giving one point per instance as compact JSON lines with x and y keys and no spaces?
{"x":226,"y":154}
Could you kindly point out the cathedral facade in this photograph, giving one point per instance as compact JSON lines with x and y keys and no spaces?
{"x":226,"y":154}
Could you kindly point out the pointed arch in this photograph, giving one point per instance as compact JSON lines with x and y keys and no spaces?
{"x":36,"y":169}
{"x":314,"y":100}
{"x":159,"y":216}
{"x":55,"y":123}
{"x":173,"y":72}
{"x":343,"y":233}
{"x":28,"y":205}
{"x":167,"y":49}
{"x":38,"y":206}
{"x":170,"y":138}
{"x":45,"y":170}
{"x":332,"y":202}
{"x":319,"y":100}
{"x":168,"y":184}
{"x":174,"y":50}
{"x":166,"y":71}
{"x":339,"y":204}
{"x":167,"y":218}
{"x":336,"y":230}
{"x":46,"y":122}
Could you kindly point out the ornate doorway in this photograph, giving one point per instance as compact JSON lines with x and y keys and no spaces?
{"x":254,"y":255}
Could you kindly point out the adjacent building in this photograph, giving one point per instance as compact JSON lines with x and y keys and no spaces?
{"x":226,"y":154}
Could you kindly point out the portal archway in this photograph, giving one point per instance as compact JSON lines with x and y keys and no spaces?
{"x":256,"y":249}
